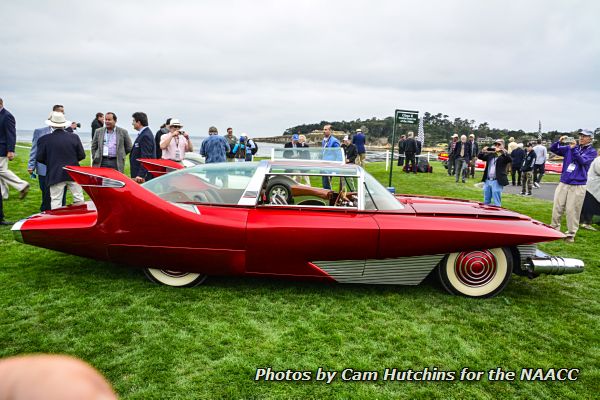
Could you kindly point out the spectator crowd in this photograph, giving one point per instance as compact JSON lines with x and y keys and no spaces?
{"x":54,"y":147}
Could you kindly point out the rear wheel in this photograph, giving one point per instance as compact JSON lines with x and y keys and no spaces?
{"x":174,"y":278}
{"x":481,"y":273}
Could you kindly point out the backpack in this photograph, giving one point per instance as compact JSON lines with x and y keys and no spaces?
{"x":254,"y":148}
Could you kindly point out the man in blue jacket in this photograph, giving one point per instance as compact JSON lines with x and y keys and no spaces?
{"x":58,"y":150}
{"x":359,"y":141}
{"x":570,"y":192}
{"x":329,"y":141}
{"x":35,"y":167}
{"x":143,"y":147}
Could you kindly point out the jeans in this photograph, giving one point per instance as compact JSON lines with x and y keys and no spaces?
{"x":450,"y":165}
{"x":460,"y":168}
{"x":538,"y":172}
{"x":516,"y":171}
{"x":492,"y":192}
{"x":410,"y":159}
{"x":326,"y":182}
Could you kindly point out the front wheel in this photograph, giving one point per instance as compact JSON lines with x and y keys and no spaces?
{"x":481,"y":273}
{"x":174,"y":278}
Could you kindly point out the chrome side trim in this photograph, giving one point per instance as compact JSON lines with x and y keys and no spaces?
{"x":250,"y":195}
{"x":16,"y":230}
{"x":389,"y":271}
{"x":527,"y":251}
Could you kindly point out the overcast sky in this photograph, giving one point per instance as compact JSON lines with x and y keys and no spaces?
{"x":263,"y":66}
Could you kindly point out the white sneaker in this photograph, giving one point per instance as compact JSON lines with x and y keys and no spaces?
{"x":588,"y":227}
{"x":536,"y":185}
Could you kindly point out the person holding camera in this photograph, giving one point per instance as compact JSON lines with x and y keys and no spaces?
{"x":570,"y":192}
{"x":176,"y":143}
{"x":494,"y":176}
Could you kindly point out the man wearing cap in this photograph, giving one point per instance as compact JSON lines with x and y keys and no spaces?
{"x":570,"y":192}
{"x":231,"y":141}
{"x":58,"y":150}
{"x":349,"y":150}
{"x":291,"y":145}
{"x":214,"y":148}
{"x":494,"y":176}
{"x":451,"y":147}
{"x":110,"y":145}
{"x":143,"y":147}
{"x":474,"y":152}
{"x":176,"y":143}
{"x":359,"y":141}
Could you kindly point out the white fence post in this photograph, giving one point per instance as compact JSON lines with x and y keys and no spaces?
{"x":387,"y":160}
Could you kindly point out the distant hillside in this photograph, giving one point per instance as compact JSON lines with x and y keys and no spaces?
{"x":438,"y":129}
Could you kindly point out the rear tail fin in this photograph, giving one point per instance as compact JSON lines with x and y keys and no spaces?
{"x":116,"y":196}
{"x":159,"y":166}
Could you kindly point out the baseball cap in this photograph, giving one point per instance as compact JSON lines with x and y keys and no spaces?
{"x":587,"y":132}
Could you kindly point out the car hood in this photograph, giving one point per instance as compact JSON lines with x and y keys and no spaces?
{"x":426,"y":205}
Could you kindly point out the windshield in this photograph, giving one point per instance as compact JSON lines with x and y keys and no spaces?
{"x":221,"y":183}
{"x":378,"y":197}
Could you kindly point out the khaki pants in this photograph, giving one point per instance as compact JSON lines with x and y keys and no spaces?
{"x":568,"y":198}
{"x":9,"y":178}
{"x":360,"y":160}
{"x":57,"y":190}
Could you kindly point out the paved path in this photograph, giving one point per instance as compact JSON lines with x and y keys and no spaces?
{"x":545,"y":192}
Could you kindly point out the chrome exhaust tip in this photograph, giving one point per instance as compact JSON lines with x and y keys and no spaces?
{"x":552,"y":265}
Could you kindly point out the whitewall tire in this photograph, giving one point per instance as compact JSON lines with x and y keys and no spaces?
{"x":480,"y":273}
{"x":174,"y":278}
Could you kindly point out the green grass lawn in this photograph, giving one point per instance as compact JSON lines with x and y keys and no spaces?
{"x":158,"y":342}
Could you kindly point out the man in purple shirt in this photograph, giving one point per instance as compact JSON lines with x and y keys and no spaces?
{"x":570,"y":192}
{"x":110,"y":145}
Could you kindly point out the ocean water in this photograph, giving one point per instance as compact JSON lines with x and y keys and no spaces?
{"x":264,"y":149}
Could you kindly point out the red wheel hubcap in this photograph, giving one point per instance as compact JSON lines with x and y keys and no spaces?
{"x":475,"y":268}
{"x":174,"y":274}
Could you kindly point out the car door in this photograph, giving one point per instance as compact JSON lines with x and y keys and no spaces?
{"x":309,"y":241}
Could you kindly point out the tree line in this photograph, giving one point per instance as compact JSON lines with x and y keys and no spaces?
{"x":438,"y":129}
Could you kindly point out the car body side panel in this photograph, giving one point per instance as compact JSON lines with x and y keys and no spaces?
{"x":403,"y":236}
{"x":136,"y":227}
{"x":285,"y":240}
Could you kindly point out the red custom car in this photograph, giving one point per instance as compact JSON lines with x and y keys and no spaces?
{"x":227,"y":219}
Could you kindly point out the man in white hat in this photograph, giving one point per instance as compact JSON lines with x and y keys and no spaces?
{"x":570,"y":192}
{"x":34,"y":167}
{"x":175,"y":143}
{"x":451,"y":147}
{"x":58,"y":150}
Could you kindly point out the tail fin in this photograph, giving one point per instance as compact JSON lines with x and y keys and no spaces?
{"x":159,"y":166}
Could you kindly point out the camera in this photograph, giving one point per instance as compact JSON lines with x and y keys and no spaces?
{"x":79,"y":124}
{"x":491,"y":149}
{"x":570,"y":139}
